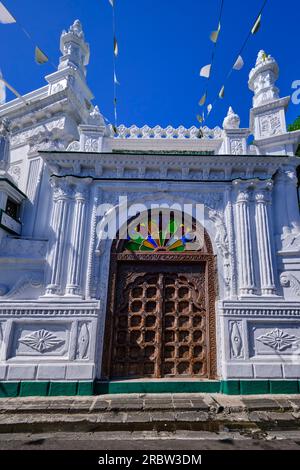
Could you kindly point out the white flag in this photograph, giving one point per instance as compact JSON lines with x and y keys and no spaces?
{"x":116,"y":47}
{"x":205,"y":71}
{"x":5,"y":16}
{"x":239,"y":64}
{"x":116,"y":81}
{"x":257,"y":25}
{"x":112,"y":2}
{"x":209,"y":108}
{"x":2,"y":90}
{"x":222,"y":92}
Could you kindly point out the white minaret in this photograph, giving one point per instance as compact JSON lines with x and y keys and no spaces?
{"x":267,"y":117}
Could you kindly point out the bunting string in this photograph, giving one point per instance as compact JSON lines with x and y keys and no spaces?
{"x":7,"y":18}
{"x":239,"y":61}
{"x":206,"y":71}
{"x":115,"y":56}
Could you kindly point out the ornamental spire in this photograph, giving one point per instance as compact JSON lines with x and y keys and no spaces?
{"x":75,"y":51}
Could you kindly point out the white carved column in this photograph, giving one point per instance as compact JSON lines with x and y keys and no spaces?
{"x":292,"y":199}
{"x":77,"y":238}
{"x":244,"y":240}
{"x":280,"y":202}
{"x":264,"y":237}
{"x":62,"y":192}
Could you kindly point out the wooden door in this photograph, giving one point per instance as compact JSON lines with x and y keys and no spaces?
{"x":161,"y":321}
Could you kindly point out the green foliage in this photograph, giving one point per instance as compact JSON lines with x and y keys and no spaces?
{"x":295,"y":126}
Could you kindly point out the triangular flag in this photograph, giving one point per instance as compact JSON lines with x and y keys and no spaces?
{"x":203,"y":99}
{"x":209,"y":108}
{"x":40,"y":57}
{"x":116,"y":81}
{"x":112,"y":2}
{"x":116,"y":47}
{"x":215,"y":34}
{"x":239,"y":63}
{"x":222,"y":92}
{"x":205,"y":71}
{"x":199,"y":118}
{"x":257,"y":25}
{"x":2,"y":90}
{"x":5,"y":16}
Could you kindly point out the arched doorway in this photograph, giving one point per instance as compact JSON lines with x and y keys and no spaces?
{"x":161,"y":304}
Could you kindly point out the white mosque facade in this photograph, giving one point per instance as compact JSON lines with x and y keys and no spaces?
{"x":84,"y":311}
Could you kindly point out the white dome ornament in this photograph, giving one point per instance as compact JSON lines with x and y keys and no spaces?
{"x":262,"y":79}
{"x":232,"y":120}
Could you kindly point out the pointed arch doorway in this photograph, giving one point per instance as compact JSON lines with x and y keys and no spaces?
{"x":160,"y":319}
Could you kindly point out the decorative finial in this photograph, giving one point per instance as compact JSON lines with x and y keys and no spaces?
{"x":76,"y":29}
{"x":262,"y":79}
{"x":96,"y":117}
{"x":75,"y":51}
{"x":261,"y":57}
{"x":232,"y":120}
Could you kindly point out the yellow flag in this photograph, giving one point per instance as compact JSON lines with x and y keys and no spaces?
{"x":215,"y":34}
{"x":116,"y":47}
{"x":40,"y":57}
{"x":203,"y":99}
{"x":5,"y":16}
{"x":205,"y":71}
{"x":257,"y":25}
{"x":199,"y":118}
{"x":222,"y":92}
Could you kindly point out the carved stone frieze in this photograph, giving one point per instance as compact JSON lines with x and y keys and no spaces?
{"x":83,"y":341}
{"x":289,"y":280}
{"x":41,"y":341}
{"x":278,"y":340}
{"x":25,"y":282}
{"x":236,"y":340}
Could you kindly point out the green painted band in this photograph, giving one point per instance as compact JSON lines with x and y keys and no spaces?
{"x":227,"y":387}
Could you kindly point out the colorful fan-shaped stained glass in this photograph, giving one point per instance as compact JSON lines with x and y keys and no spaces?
{"x":159,"y":234}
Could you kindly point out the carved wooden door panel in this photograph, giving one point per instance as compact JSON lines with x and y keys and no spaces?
{"x":160,"y":322}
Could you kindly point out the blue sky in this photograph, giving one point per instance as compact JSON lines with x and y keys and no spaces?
{"x":163,"y":44}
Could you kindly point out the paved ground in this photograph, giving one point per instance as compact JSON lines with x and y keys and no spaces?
{"x":150,"y":441}
{"x":151,"y":422}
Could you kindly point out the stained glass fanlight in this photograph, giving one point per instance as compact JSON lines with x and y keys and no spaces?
{"x":160,"y":233}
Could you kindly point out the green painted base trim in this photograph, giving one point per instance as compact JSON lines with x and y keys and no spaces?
{"x":254,"y":387}
{"x":227,"y":387}
{"x":230,"y":387}
{"x":284,"y":386}
{"x":85,"y":389}
{"x":102,"y":388}
{"x":9,"y":389}
{"x":62,"y":389}
{"x":34,"y":389}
